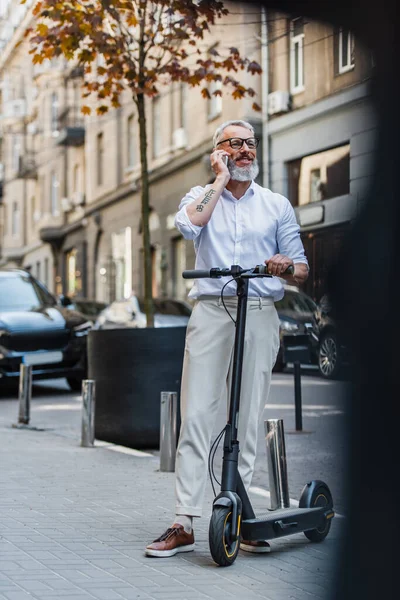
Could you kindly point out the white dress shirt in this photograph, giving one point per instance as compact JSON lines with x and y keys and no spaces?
{"x":242,"y":232}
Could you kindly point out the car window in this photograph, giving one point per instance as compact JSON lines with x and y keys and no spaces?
{"x":22,"y":293}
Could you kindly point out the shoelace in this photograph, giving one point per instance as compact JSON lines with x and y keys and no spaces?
{"x":171,"y":531}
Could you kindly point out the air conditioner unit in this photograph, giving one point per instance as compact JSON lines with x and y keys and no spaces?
{"x":66,"y":205}
{"x":278,"y":102}
{"x":179,"y":138}
{"x":78,"y":198}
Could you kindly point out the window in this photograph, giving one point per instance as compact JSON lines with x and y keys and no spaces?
{"x":15,"y":219}
{"x":46,"y":272}
{"x":15,"y":152}
{"x":74,"y":279}
{"x":54,"y":195}
{"x":182,"y":112}
{"x":54,"y":113}
{"x":296,"y":55}
{"x":77,"y":185}
{"x":100,"y":158}
{"x":315,"y":185}
{"x":131,"y":141}
{"x":346,"y":50}
{"x":179,"y":285}
{"x":38,"y":270}
{"x":319,"y":176}
{"x":121,"y":248}
{"x":33,"y":208}
{"x":156,"y":108}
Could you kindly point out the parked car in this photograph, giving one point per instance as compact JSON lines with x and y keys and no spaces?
{"x":296,"y":312}
{"x":131,"y":313}
{"x":332,"y":352}
{"x":90,"y":308}
{"x":36,"y":330}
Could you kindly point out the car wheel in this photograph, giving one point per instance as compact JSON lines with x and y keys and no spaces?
{"x":74,"y":384}
{"x":329,"y":358}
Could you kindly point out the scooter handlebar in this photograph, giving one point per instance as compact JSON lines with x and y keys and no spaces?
{"x":259,"y":270}
{"x":196,"y":274}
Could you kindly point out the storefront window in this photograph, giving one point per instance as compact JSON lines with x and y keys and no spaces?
{"x":74,"y":276}
{"x":121,"y":248}
{"x":319,"y":176}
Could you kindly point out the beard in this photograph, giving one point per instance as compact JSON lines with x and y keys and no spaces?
{"x":247,"y":173}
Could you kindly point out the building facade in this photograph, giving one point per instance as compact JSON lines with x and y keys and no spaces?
{"x":74,"y":218}
{"x":70,"y":185}
{"x":320,"y":129}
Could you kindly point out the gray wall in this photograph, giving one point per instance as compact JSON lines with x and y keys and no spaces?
{"x":346,"y":117}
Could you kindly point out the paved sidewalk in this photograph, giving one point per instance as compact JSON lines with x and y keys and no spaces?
{"x":74,"y":523}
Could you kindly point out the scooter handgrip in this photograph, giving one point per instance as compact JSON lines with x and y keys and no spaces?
{"x":195,"y":274}
{"x":264,"y":269}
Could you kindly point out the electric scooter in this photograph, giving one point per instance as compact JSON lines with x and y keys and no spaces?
{"x":233,"y":516}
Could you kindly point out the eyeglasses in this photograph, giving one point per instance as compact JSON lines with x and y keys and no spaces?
{"x":237,"y":143}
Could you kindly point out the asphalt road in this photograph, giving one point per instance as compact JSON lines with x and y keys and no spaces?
{"x":318,"y":451}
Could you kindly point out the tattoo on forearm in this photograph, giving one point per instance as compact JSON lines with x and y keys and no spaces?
{"x":207,"y":197}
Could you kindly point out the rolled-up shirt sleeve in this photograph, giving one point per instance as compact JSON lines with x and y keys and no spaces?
{"x":182,"y":221}
{"x":288,"y":236}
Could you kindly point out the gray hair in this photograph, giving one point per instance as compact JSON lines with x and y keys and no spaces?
{"x":236,"y":122}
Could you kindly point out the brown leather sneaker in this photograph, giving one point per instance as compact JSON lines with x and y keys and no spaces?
{"x":256,"y":546}
{"x":174,"y":540}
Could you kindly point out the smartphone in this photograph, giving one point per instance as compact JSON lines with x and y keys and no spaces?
{"x":225,"y":159}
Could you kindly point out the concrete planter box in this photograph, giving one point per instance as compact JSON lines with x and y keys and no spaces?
{"x":131,"y":367}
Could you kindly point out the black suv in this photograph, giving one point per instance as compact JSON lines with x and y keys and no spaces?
{"x":36,"y":330}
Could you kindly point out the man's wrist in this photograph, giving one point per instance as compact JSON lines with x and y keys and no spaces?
{"x":222,"y":179}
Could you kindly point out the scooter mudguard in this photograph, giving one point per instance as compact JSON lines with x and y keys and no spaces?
{"x":230,"y":500}
{"x":309,"y":491}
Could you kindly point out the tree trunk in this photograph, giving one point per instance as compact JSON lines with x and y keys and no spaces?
{"x":147,"y":262}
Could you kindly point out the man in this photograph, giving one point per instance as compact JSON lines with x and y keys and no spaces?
{"x":232,"y":221}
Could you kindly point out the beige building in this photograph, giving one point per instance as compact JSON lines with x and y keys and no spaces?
{"x":71,"y":185}
{"x":73,"y":213}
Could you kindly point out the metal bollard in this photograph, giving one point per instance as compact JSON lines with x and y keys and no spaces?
{"x":88,"y":409}
{"x":277,"y":469}
{"x":168,"y":431}
{"x":297,"y":396}
{"x":24,"y":394}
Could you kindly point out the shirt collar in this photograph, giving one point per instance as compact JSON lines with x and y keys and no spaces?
{"x":249,"y":192}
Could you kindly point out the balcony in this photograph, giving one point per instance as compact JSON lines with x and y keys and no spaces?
{"x":72,"y":128}
{"x":27,"y":167}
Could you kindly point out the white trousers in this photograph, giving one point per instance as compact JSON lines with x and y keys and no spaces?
{"x":205,"y":380}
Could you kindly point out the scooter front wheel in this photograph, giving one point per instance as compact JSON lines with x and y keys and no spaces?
{"x":223,"y":549}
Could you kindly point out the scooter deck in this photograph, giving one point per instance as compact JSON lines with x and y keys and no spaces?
{"x":285,"y":521}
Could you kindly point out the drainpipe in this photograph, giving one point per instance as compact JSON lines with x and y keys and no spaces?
{"x":265,"y":92}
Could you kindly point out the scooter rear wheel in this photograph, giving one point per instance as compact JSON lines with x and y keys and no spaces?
{"x":223,"y":550}
{"x":321,"y":496}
